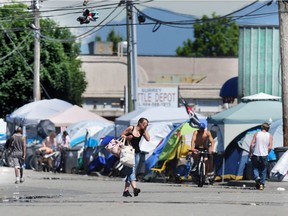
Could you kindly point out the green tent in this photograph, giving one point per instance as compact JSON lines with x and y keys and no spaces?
{"x":233,"y":121}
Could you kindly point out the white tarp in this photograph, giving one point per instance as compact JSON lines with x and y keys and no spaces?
{"x":261,"y":96}
{"x":157,"y":132}
{"x":280,"y":171}
{"x":78,"y":131}
{"x":73,"y":115}
{"x":29,"y":115}
{"x":156,"y":114}
{"x":33,"y":112}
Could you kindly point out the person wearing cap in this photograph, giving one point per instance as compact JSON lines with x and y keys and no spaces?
{"x":260,"y":147}
{"x":18,"y":145}
{"x":202,"y":139}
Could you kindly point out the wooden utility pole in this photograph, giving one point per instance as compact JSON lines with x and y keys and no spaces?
{"x":131,"y":57}
{"x":129,"y":50}
{"x":283,"y":29}
{"x":36,"y":86}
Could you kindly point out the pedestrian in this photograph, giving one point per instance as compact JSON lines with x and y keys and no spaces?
{"x":133,"y":134}
{"x":260,"y":147}
{"x":18,"y":145}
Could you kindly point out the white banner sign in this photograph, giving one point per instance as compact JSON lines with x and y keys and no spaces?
{"x":152,"y":97}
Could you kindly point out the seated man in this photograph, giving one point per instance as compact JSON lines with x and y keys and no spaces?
{"x":202,"y":139}
{"x":48,"y":144}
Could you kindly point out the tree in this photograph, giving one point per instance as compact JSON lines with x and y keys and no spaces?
{"x":98,"y":38}
{"x":213,"y":37}
{"x":60,"y":73}
{"x":115,"y":38}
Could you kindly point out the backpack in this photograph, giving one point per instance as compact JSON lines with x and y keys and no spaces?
{"x":9,"y":143}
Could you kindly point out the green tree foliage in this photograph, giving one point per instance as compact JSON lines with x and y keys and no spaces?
{"x":115,"y":38}
{"x":60,"y":73}
{"x":213,"y":37}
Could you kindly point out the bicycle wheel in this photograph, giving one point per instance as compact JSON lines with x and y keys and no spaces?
{"x":35,"y":163}
{"x":201,"y":178}
{"x":8,"y":158}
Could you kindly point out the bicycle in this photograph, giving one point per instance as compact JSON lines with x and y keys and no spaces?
{"x":201,"y":169}
{"x":6,"y":156}
{"x":41,"y":161}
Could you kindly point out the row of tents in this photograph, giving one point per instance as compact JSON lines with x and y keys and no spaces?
{"x":170,"y":135}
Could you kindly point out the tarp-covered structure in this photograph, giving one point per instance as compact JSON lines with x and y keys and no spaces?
{"x":156,"y":114}
{"x":173,"y":143}
{"x":29,"y":115}
{"x":233,"y":121}
{"x":80,"y":131}
{"x":73,"y":115}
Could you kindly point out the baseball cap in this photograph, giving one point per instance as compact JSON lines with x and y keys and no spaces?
{"x":202,"y":125}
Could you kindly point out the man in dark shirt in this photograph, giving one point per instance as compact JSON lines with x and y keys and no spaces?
{"x":18,"y":154}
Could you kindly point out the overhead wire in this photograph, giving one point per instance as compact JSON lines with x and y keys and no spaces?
{"x":181,"y":23}
{"x":24,"y":60}
{"x":184,"y":24}
{"x":16,"y":48}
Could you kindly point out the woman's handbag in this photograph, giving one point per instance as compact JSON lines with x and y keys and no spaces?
{"x":127,"y":156}
{"x":115,"y":146}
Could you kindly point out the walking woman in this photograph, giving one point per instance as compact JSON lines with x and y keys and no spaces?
{"x":134,"y":135}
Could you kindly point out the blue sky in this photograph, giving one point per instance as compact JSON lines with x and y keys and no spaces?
{"x":166,"y":39}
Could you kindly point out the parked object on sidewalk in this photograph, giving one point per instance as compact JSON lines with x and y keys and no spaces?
{"x":280,"y":170}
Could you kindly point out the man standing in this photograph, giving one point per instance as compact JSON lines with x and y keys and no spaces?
{"x":260,"y":147}
{"x":18,"y":154}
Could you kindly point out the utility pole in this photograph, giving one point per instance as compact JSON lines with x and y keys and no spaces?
{"x":134,"y":59}
{"x":36,"y":87}
{"x":131,"y":56}
{"x":283,"y":29}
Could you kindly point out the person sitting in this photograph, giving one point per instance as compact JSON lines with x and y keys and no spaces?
{"x":48,"y":144}
{"x":63,"y":145}
{"x":65,"y":141}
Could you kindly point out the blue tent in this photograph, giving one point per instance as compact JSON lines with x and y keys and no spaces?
{"x":237,"y":164}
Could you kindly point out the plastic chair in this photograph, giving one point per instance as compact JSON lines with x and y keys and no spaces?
{"x":159,"y":172}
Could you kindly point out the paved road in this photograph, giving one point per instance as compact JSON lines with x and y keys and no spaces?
{"x":67,"y":194}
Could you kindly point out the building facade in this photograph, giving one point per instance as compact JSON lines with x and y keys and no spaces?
{"x":198,"y":80}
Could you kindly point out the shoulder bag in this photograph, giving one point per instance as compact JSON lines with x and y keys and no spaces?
{"x":115,"y":146}
{"x":127,"y":156}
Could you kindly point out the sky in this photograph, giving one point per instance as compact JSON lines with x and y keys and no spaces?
{"x":163,"y":40}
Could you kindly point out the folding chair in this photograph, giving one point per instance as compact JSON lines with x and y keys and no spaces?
{"x":160,"y":172}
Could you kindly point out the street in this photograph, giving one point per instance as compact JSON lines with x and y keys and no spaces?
{"x":71,"y":194}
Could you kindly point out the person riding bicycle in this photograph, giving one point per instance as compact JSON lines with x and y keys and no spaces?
{"x":201,"y":140}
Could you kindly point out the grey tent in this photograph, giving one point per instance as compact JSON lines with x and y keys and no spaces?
{"x":233,"y":121}
{"x":29,"y":115}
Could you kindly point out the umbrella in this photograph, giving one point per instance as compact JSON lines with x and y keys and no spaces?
{"x":44,"y":128}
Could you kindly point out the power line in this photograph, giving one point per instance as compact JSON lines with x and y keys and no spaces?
{"x":16,"y":48}
{"x":24,"y":60}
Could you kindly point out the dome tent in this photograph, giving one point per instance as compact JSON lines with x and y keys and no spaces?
{"x":29,"y":115}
